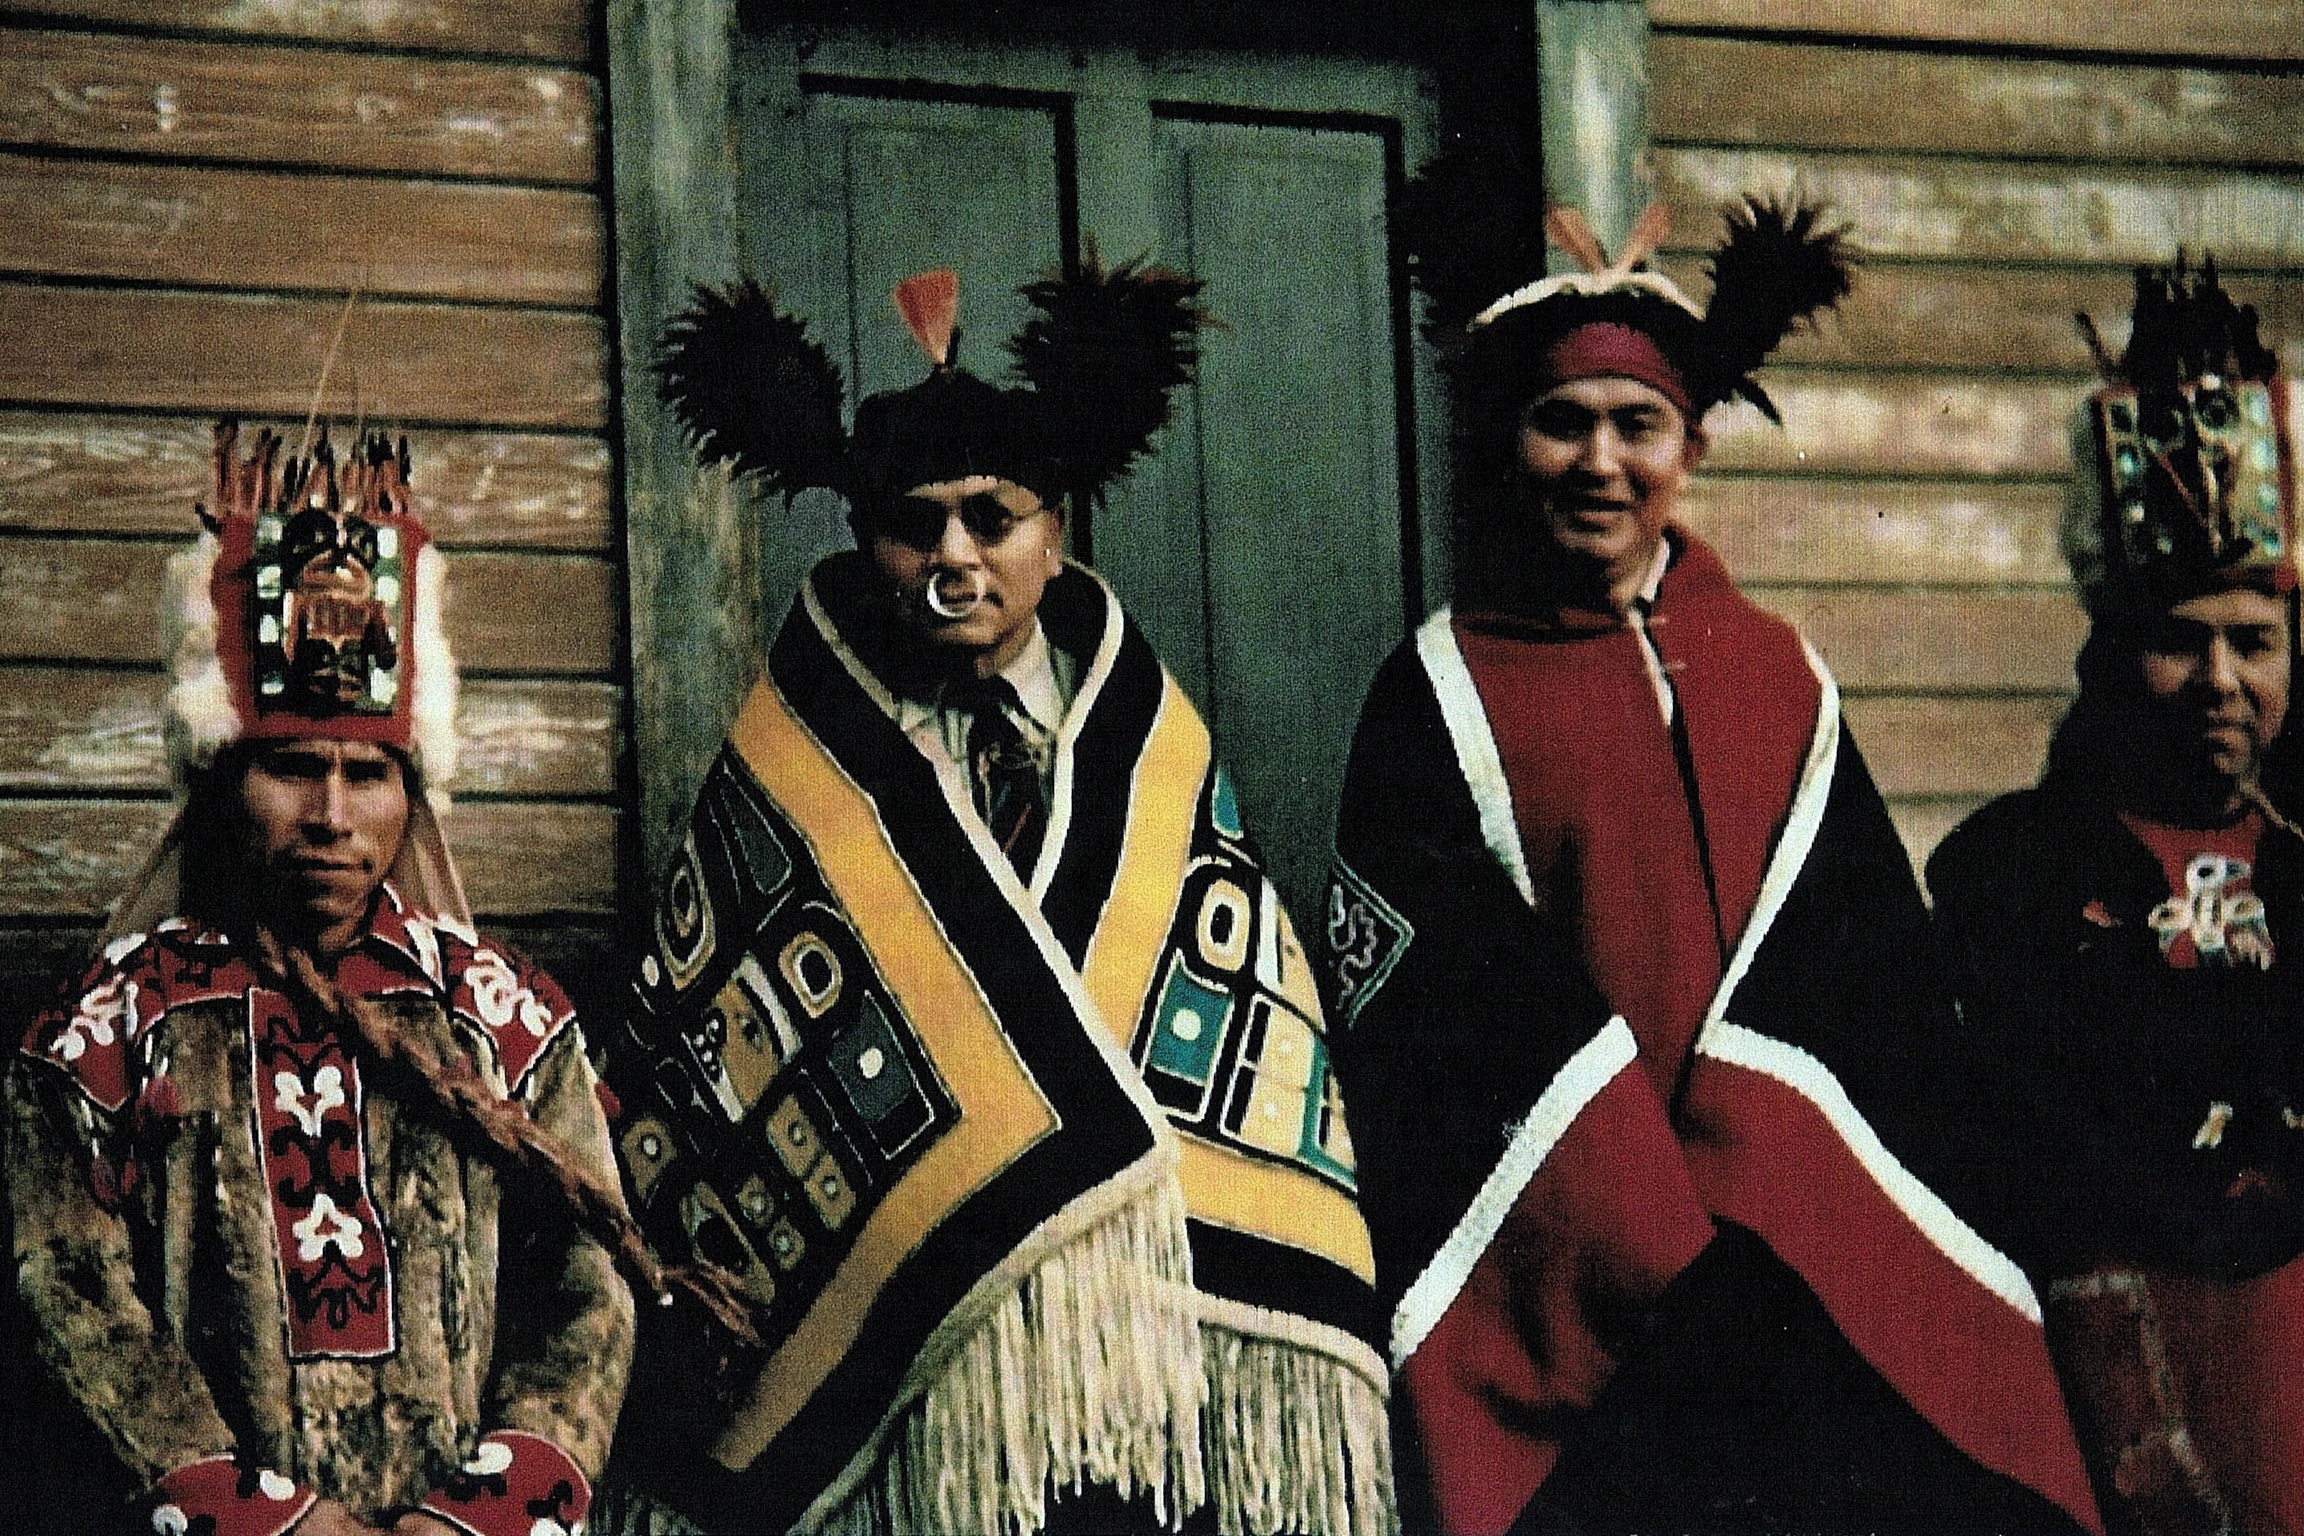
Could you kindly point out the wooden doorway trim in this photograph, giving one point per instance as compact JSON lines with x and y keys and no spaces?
{"x":689,"y":535}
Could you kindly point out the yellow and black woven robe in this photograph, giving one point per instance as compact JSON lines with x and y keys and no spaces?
{"x":1041,"y":1181}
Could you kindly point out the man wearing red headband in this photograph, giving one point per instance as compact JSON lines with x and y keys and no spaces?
{"x":316,"y":1220}
{"x":1623,"y":951}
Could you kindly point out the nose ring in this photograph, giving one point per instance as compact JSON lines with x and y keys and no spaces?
{"x":954,"y":594}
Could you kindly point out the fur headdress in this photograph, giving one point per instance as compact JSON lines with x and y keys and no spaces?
{"x":311,"y":605}
{"x":1097,"y":360}
{"x":2184,"y":469}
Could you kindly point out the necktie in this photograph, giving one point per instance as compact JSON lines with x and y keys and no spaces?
{"x":1001,"y":771}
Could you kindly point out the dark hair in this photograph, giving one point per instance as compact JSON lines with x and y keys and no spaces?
{"x":2090,"y":749}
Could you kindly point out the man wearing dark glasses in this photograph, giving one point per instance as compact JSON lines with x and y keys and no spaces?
{"x":965,"y":563}
{"x":973,"y":1039}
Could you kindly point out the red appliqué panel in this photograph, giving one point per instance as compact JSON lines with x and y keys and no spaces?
{"x":516,"y":1484}
{"x":218,"y":1496}
{"x":518,"y":1005}
{"x":310,"y":1136}
{"x":91,"y":1033}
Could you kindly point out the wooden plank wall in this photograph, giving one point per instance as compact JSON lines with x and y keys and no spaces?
{"x":2004,"y":164}
{"x":193,"y":186}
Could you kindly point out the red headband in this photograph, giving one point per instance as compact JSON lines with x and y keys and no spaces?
{"x":1610,"y":349}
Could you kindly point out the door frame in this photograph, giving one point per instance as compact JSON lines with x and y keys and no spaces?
{"x":698,"y":623}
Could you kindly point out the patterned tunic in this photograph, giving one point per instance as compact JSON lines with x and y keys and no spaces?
{"x":265,"y":1275}
{"x":2131,"y":992}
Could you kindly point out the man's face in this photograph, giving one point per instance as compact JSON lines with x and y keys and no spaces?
{"x":1605,"y":459}
{"x":966,"y":561}
{"x":2215,"y":674}
{"x":324,"y":821}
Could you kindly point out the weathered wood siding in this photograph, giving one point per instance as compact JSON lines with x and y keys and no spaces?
{"x":192,"y":189}
{"x":2004,"y":164}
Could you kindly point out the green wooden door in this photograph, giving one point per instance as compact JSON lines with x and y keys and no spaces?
{"x":1274,"y":547}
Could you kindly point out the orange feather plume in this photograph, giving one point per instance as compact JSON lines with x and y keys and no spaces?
{"x":930,"y":304}
{"x":1647,"y":233}
{"x":1571,"y":233}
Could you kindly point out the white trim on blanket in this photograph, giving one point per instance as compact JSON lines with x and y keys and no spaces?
{"x":1068,"y":736}
{"x":1813,"y":1081}
{"x":1576,"y":1085}
{"x":813,"y":604}
{"x":1810,"y":1078}
{"x":1099,"y":671}
{"x":1003,"y":874}
{"x":1476,"y":755}
{"x":1793,"y":845}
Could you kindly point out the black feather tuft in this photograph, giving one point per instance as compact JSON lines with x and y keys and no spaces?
{"x":1101,"y":354}
{"x":1472,"y":223}
{"x":1778,"y":268}
{"x":2186,"y":327}
{"x":749,"y":386}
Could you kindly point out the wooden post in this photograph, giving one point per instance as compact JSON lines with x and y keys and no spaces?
{"x":690,"y":535}
{"x":1592,"y":70}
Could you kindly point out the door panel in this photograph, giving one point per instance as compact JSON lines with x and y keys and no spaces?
{"x":1261,"y":544}
{"x":1297,"y":443}
{"x":937,"y":184}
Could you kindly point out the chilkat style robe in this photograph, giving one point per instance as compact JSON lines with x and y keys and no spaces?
{"x":1040,"y":1177}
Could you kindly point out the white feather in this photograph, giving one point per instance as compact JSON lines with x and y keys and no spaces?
{"x":197,"y":717}
{"x":1590,"y":284}
{"x":433,"y":720}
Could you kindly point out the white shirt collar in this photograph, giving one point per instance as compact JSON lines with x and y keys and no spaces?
{"x":1653,"y":583}
{"x":1032,"y":673}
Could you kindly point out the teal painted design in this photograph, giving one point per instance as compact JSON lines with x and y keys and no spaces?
{"x":1324,"y":1122}
{"x":1188,"y":1030}
{"x":1224,"y":806}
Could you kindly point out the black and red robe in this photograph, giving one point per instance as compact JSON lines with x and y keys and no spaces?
{"x":1639,"y":1028}
{"x":2136,"y":1142}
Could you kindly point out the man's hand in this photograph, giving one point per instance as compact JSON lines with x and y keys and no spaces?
{"x":329,"y":1518}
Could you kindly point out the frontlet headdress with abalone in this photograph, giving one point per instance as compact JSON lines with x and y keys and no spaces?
{"x":2184,"y":463}
{"x":310,"y":608}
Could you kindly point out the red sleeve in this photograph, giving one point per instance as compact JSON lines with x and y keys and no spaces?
{"x":232,"y":1500}
{"x":516,"y":1484}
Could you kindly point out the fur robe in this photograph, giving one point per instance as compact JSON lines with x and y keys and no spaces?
{"x":262,"y":1276}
